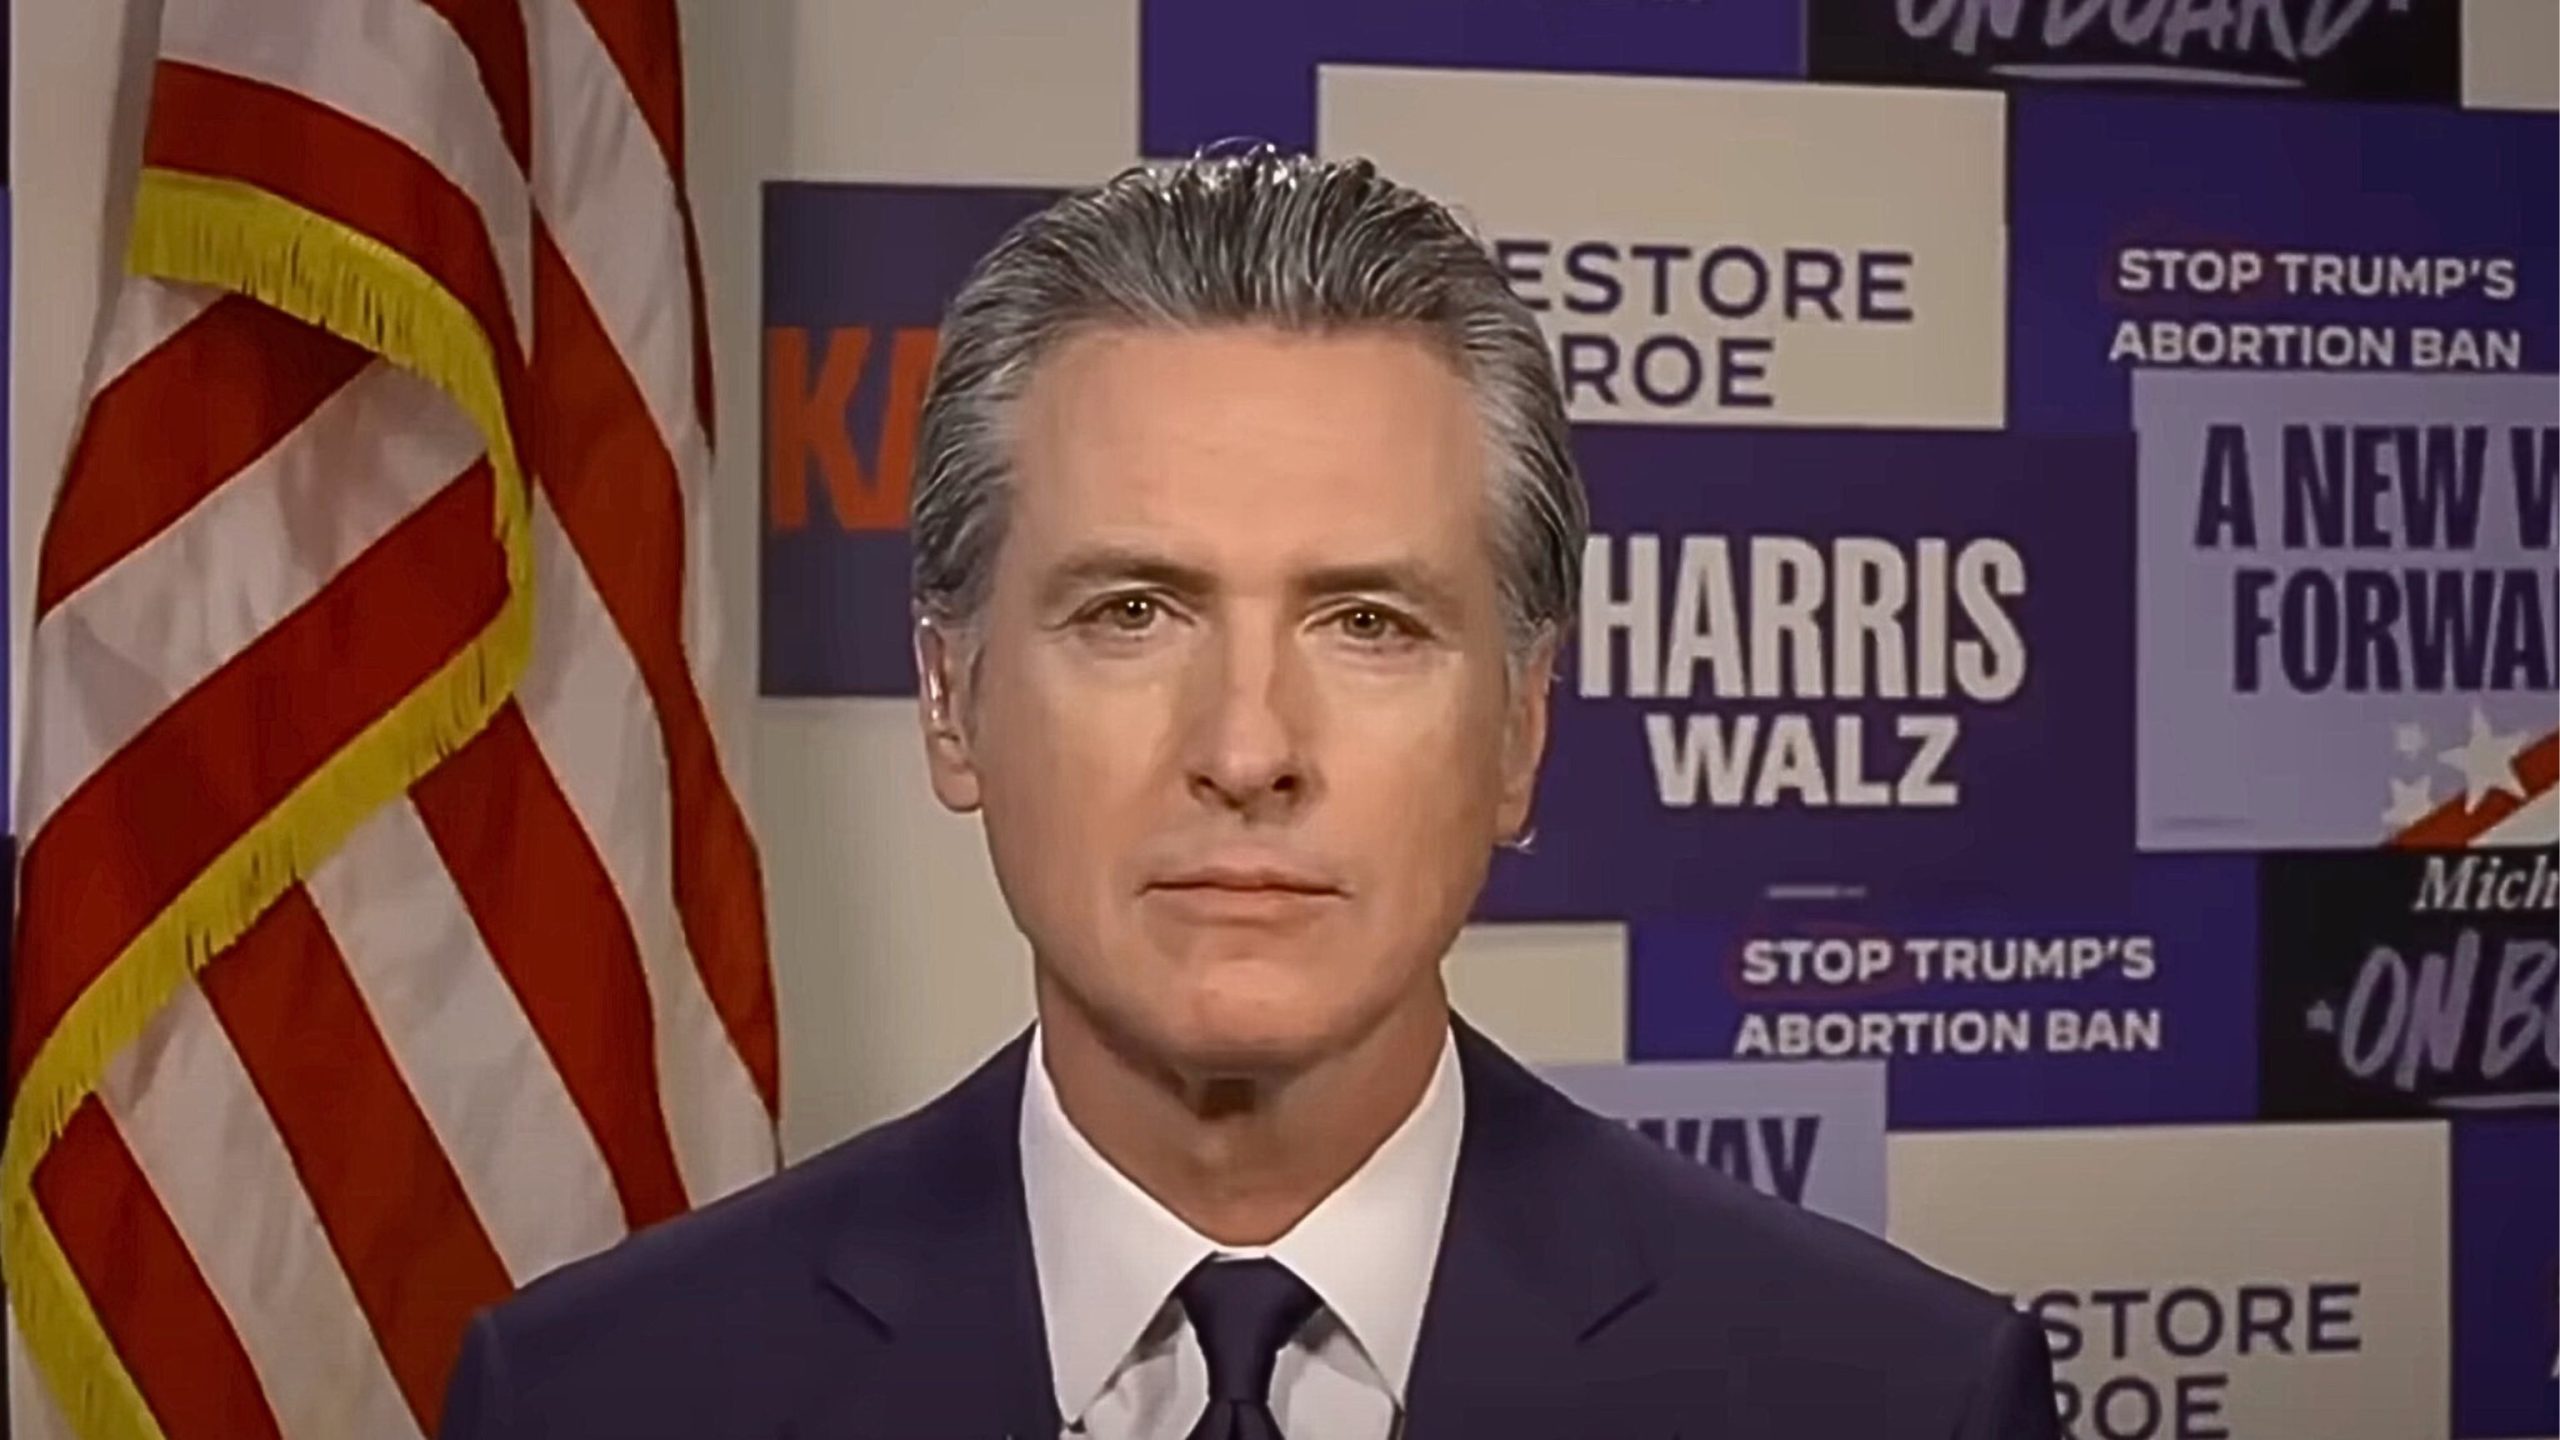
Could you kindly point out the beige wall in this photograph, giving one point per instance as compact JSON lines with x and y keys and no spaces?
{"x":896,"y":963}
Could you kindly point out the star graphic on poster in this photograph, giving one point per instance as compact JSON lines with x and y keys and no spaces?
{"x":2408,"y":739}
{"x":2410,"y":802}
{"x":2486,"y":761}
{"x":2322,"y":1018}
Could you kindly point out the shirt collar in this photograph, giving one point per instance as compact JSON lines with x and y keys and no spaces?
{"x":1108,"y":1255}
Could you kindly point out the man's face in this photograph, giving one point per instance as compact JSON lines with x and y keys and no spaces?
{"x":1240,"y":718}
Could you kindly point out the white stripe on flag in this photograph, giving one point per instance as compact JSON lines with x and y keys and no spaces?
{"x":592,"y":721}
{"x":393,"y":65}
{"x":602,"y":185}
{"x":203,"y":1138}
{"x":109,"y":659}
{"x":523,"y":1154}
{"x":603,"y":188}
{"x":141,"y":317}
{"x":32,"y":1413}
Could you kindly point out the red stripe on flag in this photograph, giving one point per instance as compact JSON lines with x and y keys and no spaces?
{"x":173,"y":1335}
{"x":605,"y":469}
{"x":493,"y":31}
{"x":643,"y":38}
{"x":244,"y":376}
{"x":2454,"y":824}
{"x":124,"y":844}
{"x":211,"y":123}
{"x":395,"y":1212}
{"x":553,"y":922}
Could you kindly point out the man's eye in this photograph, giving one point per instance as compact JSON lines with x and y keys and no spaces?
{"x":1128,"y":613}
{"x":1374,"y":625}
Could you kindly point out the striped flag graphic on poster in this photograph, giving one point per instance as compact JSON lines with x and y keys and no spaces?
{"x":2506,"y":791}
{"x":2300,"y":688}
{"x":390,"y":932}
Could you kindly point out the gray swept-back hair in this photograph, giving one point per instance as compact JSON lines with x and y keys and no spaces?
{"x":1255,"y":237}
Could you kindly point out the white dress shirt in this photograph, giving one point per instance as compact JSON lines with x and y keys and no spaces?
{"x":1125,"y":1360}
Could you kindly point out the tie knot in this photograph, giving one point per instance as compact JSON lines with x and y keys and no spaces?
{"x":1244,"y":1311}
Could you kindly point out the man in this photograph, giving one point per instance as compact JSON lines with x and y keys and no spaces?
{"x":1245,"y":534}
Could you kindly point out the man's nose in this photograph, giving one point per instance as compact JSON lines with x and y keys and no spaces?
{"x":1249,"y":725}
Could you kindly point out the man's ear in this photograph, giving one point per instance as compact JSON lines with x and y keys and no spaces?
{"x":1524,"y":737}
{"x":942,"y":706}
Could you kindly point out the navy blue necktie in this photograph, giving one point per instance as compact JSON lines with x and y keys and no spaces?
{"x":1243,"y":1312}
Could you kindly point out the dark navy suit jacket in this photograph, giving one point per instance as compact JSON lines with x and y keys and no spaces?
{"x":1590,"y":1286}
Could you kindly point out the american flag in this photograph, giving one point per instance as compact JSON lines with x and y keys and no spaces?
{"x":390,"y":932}
{"x":2509,"y":790}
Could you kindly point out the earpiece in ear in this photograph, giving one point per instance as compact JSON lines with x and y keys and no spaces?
{"x":932,"y":644}
{"x":937,"y":703}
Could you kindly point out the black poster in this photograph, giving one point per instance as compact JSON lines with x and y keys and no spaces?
{"x":2360,"y":49}
{"x":2398,"y":983}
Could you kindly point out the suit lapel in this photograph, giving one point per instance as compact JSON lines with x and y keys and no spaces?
{"x":1534,"y":1262}
{"x":935,"y":1264}
{"x":945,"y":1337}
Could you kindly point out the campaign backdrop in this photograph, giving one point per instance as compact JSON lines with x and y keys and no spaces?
{"x":2064,"y":712}
{"x":2209,"y":1281}
{"x":1809,"y":1134}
